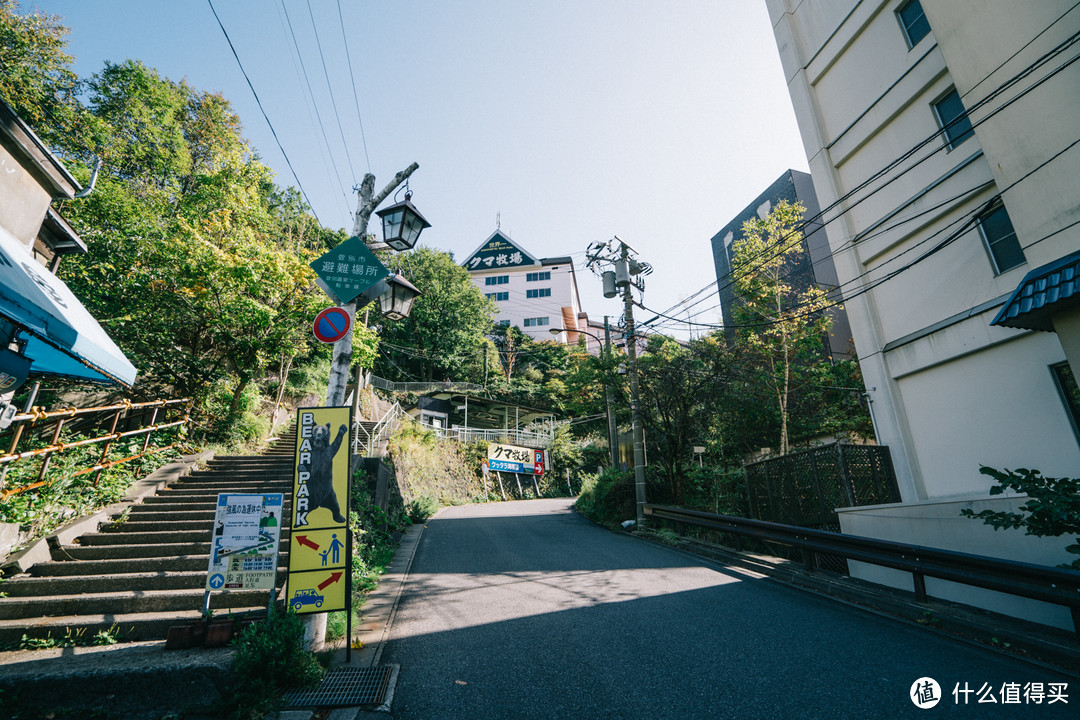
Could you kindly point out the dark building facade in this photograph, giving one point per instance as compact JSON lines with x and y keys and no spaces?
{"x":815,"y":267}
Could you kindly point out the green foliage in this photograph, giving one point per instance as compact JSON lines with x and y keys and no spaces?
{"x":421,"y":508}
{"x":73,"y":638}
{"x":607,"y":498}
{"x":270,"y":659}
{"x":65,"y":496}
{"x":197,"y":264}
{"x":444,"y":334}
{"x":716,"y":490}
{"x":781,"y":324}
{"x":429,"y":468}
{"x":1051,"y":510}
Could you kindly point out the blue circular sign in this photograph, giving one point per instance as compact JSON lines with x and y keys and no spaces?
{"x":332,"y":324}
{"x":217,"y":580}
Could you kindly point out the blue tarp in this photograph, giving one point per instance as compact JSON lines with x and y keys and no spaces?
{"x":62,"y":337}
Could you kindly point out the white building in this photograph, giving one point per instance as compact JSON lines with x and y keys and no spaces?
{"x":534,"y":294}
{"x":943,"y":132}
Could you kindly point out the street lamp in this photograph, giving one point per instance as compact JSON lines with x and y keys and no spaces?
{"x":397,"y":301}
{"x":402,"y":224}
{"x":613,"y":435}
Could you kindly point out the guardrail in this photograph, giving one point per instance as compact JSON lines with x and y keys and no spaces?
{"x":525,"y":438}
{"x":423,"y":387}
{"x":1058,"y":586}
{"x":366,"y":442}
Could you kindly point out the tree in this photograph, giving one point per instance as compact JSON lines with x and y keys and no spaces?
{"x":446,"y":328}
{"x":684,"y":387}
{"x":780,"y":323}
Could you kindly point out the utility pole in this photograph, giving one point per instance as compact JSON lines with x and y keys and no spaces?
{"x":631,"y":353}
{"x":366,"y":204}
{"x":315,"y":624}
{"x":617,"y":253}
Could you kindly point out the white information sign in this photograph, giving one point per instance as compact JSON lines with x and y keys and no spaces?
{"x":244,"y":546}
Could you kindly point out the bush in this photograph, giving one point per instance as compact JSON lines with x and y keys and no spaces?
{"x":608,"y":498}
{"x":1052,"y":509}
{"x":270,"y":659}
{"x":421,"y":508}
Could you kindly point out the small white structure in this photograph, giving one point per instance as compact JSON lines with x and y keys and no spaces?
{"x":943,"y":132}
{"x":534,"y":294}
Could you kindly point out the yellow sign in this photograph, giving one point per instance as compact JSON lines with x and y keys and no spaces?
{"x":319,"y":564}
{"x":321,"y":480}
{"x":317,"y":549}
{"x":316,"y":591}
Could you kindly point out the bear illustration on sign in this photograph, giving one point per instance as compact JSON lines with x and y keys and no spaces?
{"x":321,"y":481}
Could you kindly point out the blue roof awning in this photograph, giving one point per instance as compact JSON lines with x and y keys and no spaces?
{"x":1044,"y":292}
{"x":62,"y":337}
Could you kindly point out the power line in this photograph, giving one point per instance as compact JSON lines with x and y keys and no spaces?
{"x":307,"y":80}
{"x":263,"y":111}
{"x":352,"y":78}
{"x":330,"y":89}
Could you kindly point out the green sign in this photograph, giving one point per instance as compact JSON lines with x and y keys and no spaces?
{"x":348,"y":270}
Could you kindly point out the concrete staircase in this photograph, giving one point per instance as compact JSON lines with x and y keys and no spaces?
{"x":146,"y":570}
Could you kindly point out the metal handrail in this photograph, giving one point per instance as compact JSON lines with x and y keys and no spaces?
{"x":1058,"y":586}
{"x":525,"y":438}
{"x":56,"y":445}
{"x":422,"y":387}
{"x":382,"y":429}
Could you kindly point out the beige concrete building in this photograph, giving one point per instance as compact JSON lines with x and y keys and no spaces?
{"x":941,"y":139}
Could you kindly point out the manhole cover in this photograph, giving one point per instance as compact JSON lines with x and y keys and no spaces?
{"x":345,"y":686}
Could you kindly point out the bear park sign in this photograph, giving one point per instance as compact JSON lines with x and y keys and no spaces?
{"x":319,"y":547}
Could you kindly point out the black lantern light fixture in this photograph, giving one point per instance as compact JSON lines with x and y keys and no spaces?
{"x":402,"y":224}
{"x":396,"y":302}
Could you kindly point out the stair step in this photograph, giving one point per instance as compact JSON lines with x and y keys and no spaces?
{"x":130,"y":626}
{"x":27,"y":586}
{"x":154,"y":537}
{"x":178,"y":563}
{"x":127,"y":602}
{"x":167,"y":523}
{"x":150,"y":513}
{"x":111,"y":552}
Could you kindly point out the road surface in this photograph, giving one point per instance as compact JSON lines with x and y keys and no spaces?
{"x":527,"y":610}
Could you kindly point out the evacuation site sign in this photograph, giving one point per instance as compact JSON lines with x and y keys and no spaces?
{"x":348,"y":270}
{"x":511,"y":458}
{"x":319,"y":564}
{"x":244,"y":548}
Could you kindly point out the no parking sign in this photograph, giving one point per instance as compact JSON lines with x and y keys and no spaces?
{"x":332,"y":324}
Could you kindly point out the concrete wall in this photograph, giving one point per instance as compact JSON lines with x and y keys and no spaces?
{"x":25,"y":201}
{"x":940,"y":525}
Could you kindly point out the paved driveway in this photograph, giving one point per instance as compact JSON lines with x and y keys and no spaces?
{"x":527,"y":610}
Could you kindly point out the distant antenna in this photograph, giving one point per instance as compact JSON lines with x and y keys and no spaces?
{"x":498,"y":220}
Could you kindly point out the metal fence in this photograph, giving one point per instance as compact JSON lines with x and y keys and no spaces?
{"x":424,"y":387}
{"x":36,"y":424}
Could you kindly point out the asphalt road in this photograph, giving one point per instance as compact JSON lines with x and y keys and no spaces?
{"x":527,"y":610}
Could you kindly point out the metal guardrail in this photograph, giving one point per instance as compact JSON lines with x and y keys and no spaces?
{"x":1058,"y":586}
{"x":524,"y":438}
{"x":423,"y":387}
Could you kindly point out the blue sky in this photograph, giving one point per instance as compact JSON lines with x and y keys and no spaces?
{"x":656,"y":121}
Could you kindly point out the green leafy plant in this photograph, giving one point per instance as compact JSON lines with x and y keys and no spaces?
{"x":1052,"y":508}
{"x":270,"y":659}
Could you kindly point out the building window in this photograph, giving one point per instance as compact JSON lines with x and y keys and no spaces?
{"x":1070,"y":394}
{"x":538,"y":293}
{"x":913,"y":21}
{"x":504,"y":323}
{"x":497,"y":280}
{"x":953,"y":118}
{"x":498,"y":296}
{"x":536,"y":322}
{"x":538,"y":276}
{"x":1000,"y":238}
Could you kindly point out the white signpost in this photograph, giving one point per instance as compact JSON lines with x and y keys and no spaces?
{"x":244,"y":546}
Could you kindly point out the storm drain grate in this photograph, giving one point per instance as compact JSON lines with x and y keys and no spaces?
{"x":345,"y":686}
